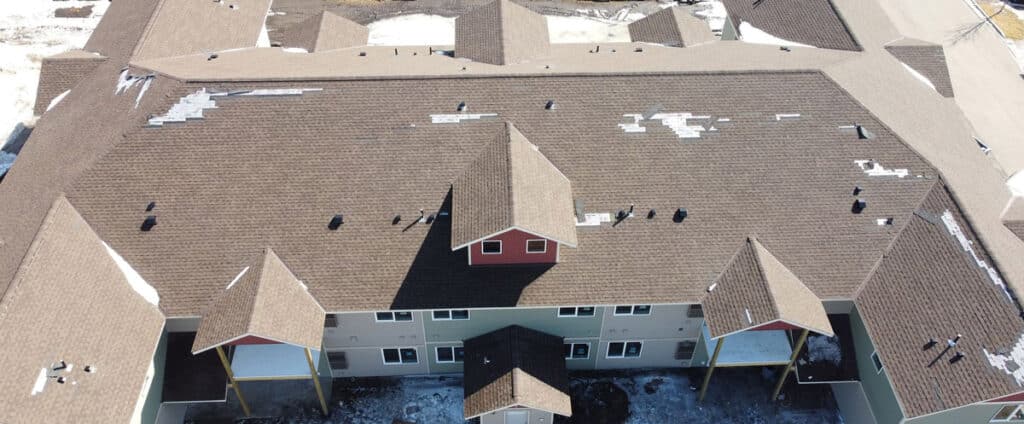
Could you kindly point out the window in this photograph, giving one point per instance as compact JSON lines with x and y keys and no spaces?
{"x":451,"y":314}
{"x":624,"y":349}
{"x":491,"y":247}
{"x":399,"y":356}
{"x":695,"y":311}
{"x":577,"y":350}
{"x":394,"y":316}
{"x":633,"y":310}
{"x":1009,"y":414}
{"x":877,"y":361}
{"x":449,"y":354}
{"x":330,"y":321}
{"x":337,"y":360}
{"x":581,"y":311}
{"x":684,"y":350}
{"x":536,"y":246}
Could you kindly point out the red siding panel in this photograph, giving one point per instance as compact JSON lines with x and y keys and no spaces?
{"x":1018,"y":397}
{"x":775,"y":325}
{"x":251,"y":340}
{"x":513,"y":251}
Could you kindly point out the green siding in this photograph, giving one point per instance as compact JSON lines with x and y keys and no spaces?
{"x":876,"y":385}
{"x":156,"y":390}
{"x":966,"y":415}
{"x":540,"y":319}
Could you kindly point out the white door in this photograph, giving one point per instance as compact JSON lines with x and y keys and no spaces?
{"x":516,"y":417}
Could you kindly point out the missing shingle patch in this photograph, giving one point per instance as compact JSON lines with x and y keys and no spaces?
{"x":455,"y":118}
{"x":968,"y":246}
{"x":875,"y":169}
{"x":681,"y":123}
{"x":191,"y":107}
{"x":1011,"y":362}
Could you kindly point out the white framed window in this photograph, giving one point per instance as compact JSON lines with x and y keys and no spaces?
{"x":577,"y":350}
{"x":450,"y":354}
{"x":490,"y":247}
{"x":388,"y":316}
{"x":1009,"y":414}
{"x":876,"y":361}
{"x":630,"y":349}
{"x":536,"y":246}
{"x":633,"y":310}
{"x":399,"y":355}
{"x":576,"y":311}
{"x":450,"y":314}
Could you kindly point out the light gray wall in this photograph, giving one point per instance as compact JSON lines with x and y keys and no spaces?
{"x":362,"y":330}
{"x":853,"y":403}
{"x":483,"y":321}
{"x":535,"y":417}
{"x":653,"y":354}
{"x":369,"y":362}
{"x":664,"y":322}
{"x":182,"y":325}
{"x":876,"y":385}
{"x":968,"y":414}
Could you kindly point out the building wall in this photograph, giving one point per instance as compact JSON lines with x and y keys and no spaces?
{"x":876,"y":385}
{"x":534,"y":416}
{"x":154,"y":396}
{"x":513,"y":251}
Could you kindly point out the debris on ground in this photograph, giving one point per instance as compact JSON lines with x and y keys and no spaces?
{"x":74,"y":12}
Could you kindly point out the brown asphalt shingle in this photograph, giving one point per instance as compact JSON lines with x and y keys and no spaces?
{"x":181,"y":27}
{"x":672,"y":26}
{"x":812,"y":22}
{"x":926,"y":58}
{"x":500,"y":33}
{"x":515,"y":366}
{"x":71,"y":302}
{"x":511,"y":184}
{"x":266,"y":301}
{"x":60,"y":72}
{"x":323,"y":31}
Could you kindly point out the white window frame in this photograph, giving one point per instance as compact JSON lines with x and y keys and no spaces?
{"x":401,"y":361}
{"x":575,"y":312}
{"x":572,"y":348}
{"x":632,"y":311}
{"x":624,"y":344}
{"x":451,"y":315}
{"x":437,"y":354}
{"x":1009,"y":418}
{"x":536,"y":253}
{"x":376,"y":316}
{"x":394,"y":316}
{"x":875,"y":359}
{"x":501,"y":247}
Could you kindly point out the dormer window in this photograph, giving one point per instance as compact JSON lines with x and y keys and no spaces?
{"x":536,"y":246}
{"x":491,"y":247}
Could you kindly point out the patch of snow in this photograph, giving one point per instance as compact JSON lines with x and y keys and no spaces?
{"x":412,"y":399}
{"x":875,"y":169}
{"x":264,"y":40}
{"x":968,"y":246}
{"x":29,"y":31}
{"x":455,"y":118}
{"x":678,"y":122}
{"x":135,"y":280}
{"x":40,"y":383}
{"x":1011,"y":362}
{"x":713,"y":11}
{"x":57,"y":100}
{"x":126,"y":82}
{"x":582,"y":29}
{"x":237,"y":277}
{"x":781,"y":116}
{"x":924,"y":80}
{"x":6,"y":161}
{"x":413,"y":30}
{"x":1016,"y":184}
{"x":824,"y":349}
{"x":295,"y":50}
{"x":752,"y":34}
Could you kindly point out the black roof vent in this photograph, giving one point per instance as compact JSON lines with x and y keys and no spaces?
{"x":620,"y":215}
{"x":396,"y":220}
{"x":957,"y":357}
{"x":680,"y":215}
{"x":150,"y":206}
{"x":550,"y":105}
{"x":857,"y":190}
{"x":930,"y":344}
{"x":651,"y":213}
{"x":859,"y":205}
{"x":863,"y":133}
{"x":148,"y":223}
{"x":461,"y":107}
{"x":336,"y":222}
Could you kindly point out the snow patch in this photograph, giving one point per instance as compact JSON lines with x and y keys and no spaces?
{"x":678,"y":122}
{"x":135,"y":280}
{"x":1012,"y":362}
{"x":6,"y":161}
{"x":413,"y":30}
{"x":57,"y":100}
{"x":824,"y":349}
{"x":264,"y":39}
{"x":714,"y":13}
{"x":968,"y":246}
{"x":875,"y":169}
{"x":455,"y":118}
{"x":924,"y":80}
{"x":752,"y":34}
{"x":237,"y":277}
{"x":1016,"y":184}
{"x":786,"y":116}
{"x":295,"y":50}
{"x":125,"y":82}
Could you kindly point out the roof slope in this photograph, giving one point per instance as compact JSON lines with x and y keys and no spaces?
{"x":928,"y":59}
{"x":501,"y":32}
{"x":266,"y":301}
{"x":121,"y":28}
{"x":1013,"y":218}
{"x":515,"y":366}
{"x":671,"y":26}
{"x":324,"y":31}
{"x":927,"y":286}
{"x":181,"y":27}
{"x":67,"y":301}
{"x":58,"y":73}
{"x":757,"y":289}
{"x":511,"y":184}
{"x":812,"y":22}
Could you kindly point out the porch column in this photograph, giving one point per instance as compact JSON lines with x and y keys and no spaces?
{"x":316,"y":380}
{"x":711,"y":369}
{"x":792,"y":359}
{"x":231,"y":378}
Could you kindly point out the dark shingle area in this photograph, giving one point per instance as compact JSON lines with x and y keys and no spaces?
{"x":927,"y":59}
{"x":272,"y":171}
{"x":812,"y":22}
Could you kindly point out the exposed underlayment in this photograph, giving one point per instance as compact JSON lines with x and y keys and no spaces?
{"x":193,"y":105}
{"x":875,"y":169}
{"x":678,"y":122}
{"x":57,"y":99}
{"x":954,"y":229}
{"x":1012,"y":362}
{"x":455,"y":118}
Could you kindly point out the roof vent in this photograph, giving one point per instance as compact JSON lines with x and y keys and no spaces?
{"x":362,"y":54}
{"x":336,"y":222}
{"x":863,"y":133}
{"x":857,"y":190}
{"x":931,"y":343}
{"x":396,"y":220}
{"x":461,"y":107}
{"x":150,"y":206}
{"x":148,"y":223}
{"x":550,"y":105}
{"x":957,"y":357}
{"x":578,"y":204}
{"x":90,"y":369}
{"x":651,"y":213}
{"x":680,"y":215}
{"x":952,"y":342}
{"x":859,"y":205}
{"x":620,"y":215}
{"x":211,"y":56}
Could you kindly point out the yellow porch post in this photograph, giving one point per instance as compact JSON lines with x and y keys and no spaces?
{"x":711,"y":369}
{"x":316,"y":380}
{"x":792,"y":359}
{"x":231,"y":378}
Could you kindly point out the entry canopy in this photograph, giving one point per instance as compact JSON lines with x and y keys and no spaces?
{"x":757,"y":292}
{"x":265,"y":303}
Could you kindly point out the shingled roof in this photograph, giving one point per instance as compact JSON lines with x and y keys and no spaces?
{"x":812,"y":22}
{"x":926,"y":58}
{"x":321,"y":32}
{"x":180,"y":27}
{"x":1013,"y":218}
{"x":58,"y":73}
{"x":72,"y":302}
{"x":515,"y":366}
{"x":756,"y":289}
{"x":672,"y":26}
{"x":512,"y":185}
{"x":501,"y":32}
{"x":266,"y":301}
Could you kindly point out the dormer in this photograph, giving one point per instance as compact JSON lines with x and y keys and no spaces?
{"x":512,"y":205}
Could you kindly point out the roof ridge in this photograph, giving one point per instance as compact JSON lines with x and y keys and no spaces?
{"x":510,"y":182}
{"x":7,"y":295}
{"x":759,"y":261}
{"x":259,"y":284}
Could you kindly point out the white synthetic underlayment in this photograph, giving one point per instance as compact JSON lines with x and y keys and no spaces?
{"x":875,"y":169}
{"x":40,"y":383}
{"x":1003,"y":361}
{"x":751,"y":34}
{"x":192,"y":106}
{"x":678,"y":122}
{"x":455,"y":118}
{"x":135,"y":280}
{"x":968,"y":246}
{"x":57,"y":100}
{"x":917,"y":75}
